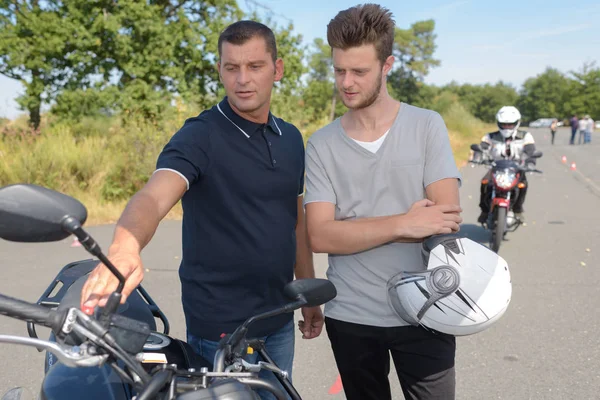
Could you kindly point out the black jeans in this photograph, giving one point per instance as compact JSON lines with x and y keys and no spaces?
{"x":424,"y":361}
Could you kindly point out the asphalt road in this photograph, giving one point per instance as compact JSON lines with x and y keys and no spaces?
{"x":545,"y":347}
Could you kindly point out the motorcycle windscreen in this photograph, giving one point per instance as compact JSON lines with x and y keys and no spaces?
{"x":92,"y":383}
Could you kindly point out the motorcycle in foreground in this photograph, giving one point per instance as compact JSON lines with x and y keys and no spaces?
{"x":118,"y":354}
{"x":504,"y":183}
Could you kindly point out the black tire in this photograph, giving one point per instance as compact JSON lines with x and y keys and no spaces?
{"x":499,"y":227}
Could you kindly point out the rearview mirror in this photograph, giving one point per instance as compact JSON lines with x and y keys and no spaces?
{"x":31,"y":213}
{"x":310,"y":292}
{"x":315,"y":291}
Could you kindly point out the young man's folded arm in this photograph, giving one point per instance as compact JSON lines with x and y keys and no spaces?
{"x":327,"y":235}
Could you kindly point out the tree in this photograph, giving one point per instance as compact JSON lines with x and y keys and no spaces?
{"x":546,"y":95}
{"x":584,"y":94}
{"x":44,"y":46}
{"x":74,"y":105}
{"x":405,"y":86}
{"x":413,"y":49}
{"x":156,"y":50}
{"x":484,"y":101}
{"x":150,"y":50}
{"x":320,"y":96}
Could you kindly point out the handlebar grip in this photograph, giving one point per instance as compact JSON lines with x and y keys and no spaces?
{"x":29,"y":312}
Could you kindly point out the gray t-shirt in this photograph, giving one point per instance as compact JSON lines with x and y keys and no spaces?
{"x":415,"y":153}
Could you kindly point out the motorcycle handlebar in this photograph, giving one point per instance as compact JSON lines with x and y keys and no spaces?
{"x":55,"y":320}
{"x":490,"y":163}
{"x":34,"y":313}
{"x":158,"y":381}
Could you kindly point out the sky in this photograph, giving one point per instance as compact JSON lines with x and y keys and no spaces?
{"x":478,"y":41}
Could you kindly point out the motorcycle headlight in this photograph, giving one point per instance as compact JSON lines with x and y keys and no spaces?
{"x":505,"y":179}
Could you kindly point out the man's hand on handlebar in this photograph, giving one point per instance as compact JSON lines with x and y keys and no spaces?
{"x":101,"y":282}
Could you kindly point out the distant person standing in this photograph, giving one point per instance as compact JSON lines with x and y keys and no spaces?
{"x":587,"y":137}
{"x":553,"y":128}
{"x":583,"y":129}
{"x":574,"y":126}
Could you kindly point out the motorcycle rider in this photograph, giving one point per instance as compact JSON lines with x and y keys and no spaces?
{"x":510,"y":143}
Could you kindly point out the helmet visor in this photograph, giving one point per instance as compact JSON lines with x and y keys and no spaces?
{"x":507,"y":125}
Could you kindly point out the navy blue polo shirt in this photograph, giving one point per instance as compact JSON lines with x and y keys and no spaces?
{"x":240,"y":212}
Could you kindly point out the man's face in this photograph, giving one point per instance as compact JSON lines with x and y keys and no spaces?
{"x":248,"y":73}
{"x":358,"y":75}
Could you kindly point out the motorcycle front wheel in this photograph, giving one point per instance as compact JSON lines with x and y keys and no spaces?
{"x":499,"y":227}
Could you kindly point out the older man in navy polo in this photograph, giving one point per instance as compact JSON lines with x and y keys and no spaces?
{"x":239,"y":238}
{"x":239,"y":172}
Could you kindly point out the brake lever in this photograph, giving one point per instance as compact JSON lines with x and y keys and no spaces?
{"x":69,"y":357}
{"x":273,"y":368}
{"x":263,"y":365}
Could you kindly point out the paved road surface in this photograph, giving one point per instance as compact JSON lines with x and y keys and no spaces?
{"x":546,"y":346}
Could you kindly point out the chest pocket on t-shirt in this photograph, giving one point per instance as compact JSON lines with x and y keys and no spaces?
{"x":405,"y":182}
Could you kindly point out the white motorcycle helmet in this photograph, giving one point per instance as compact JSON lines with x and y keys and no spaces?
{"x":464,"y":290}
{"x":508,"y":115}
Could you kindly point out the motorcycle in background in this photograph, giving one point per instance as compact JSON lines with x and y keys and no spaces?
{"x":504,"y":183}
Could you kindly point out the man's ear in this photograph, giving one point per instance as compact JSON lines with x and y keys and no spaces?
{"x":278,"y":69}
{"x":219,"y":71}
{"x":388,"y":64}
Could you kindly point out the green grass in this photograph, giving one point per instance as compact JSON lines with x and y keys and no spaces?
{"x":464,"y":130}
{"x":102,"y":169}
{"x":103,"y":163}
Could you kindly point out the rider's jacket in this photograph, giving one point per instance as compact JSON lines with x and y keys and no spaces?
{"x":516,"y":147}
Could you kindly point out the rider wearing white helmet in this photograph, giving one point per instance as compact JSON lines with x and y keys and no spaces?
{"x":508,"y":142}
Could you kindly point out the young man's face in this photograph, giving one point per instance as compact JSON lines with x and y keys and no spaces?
{"x":359,"y":75}
{"x":248,"y":73}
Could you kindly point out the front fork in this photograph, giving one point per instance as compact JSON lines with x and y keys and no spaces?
{"x":497,"y":202}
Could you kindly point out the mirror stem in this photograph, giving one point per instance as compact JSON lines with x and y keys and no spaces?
{"x":300,"y":301}
{"x":73,"y":226}
{"x":114,"y":270}
{"x":241,"y":331}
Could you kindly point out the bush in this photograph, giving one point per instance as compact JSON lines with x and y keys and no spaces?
{"x":103,"y":162}
{"x":464,"y":129}
{"x":105,"y":166}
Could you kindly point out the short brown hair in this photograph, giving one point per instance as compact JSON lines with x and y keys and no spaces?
{"x":363,"y":24}
{"x":240,"y":32}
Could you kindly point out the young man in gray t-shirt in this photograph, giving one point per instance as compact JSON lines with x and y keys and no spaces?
{"x":378,"y":180}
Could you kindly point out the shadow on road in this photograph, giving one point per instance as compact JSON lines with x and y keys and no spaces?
{"x":476,"y":233}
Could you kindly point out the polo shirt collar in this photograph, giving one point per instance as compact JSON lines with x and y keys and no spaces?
{"x":248,"y":128}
